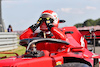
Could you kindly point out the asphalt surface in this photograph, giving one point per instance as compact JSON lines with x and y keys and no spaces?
{"x":97,"y":48}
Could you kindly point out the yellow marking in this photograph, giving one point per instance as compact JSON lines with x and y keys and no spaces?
{"x":40,"y":19}
{"x":47,"y":21}
{"x":58,"y":63}
{"x":47,"y":18}
{"x":38,"y":22}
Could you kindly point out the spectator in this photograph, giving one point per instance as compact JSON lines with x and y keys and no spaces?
{"x":10,"y":28}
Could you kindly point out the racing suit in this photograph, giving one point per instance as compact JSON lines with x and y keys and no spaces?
{"x":57,"y":34}
{"x":29,"y":33}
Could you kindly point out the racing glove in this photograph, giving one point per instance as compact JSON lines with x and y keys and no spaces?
{"x":49,"y":22}
{"x":36,"y":25}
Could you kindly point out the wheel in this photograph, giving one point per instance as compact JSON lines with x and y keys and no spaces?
{"x":73,"y":65}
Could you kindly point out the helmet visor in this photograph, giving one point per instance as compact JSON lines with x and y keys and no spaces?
{"x":46,"y":16}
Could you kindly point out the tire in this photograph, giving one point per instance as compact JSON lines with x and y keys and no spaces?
{"x":73,"y":65}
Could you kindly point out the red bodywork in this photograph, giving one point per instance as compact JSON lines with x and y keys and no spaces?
{"x":56,"y":53}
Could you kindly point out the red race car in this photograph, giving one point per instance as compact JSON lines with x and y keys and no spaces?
{"x":49,"y":52}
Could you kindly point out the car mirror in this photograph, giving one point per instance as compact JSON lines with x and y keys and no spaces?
{"x":78,"y":49}
{"x":62,"y":21}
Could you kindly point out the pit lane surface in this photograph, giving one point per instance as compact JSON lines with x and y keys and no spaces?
{"x":97,"y":48}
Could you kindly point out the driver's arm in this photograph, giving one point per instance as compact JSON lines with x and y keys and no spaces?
{"x":28,"y":33}
{"x":58,"y":34}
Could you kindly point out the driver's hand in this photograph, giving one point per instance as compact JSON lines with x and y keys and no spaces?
{"x":36,"y":25}
{"x":39,"y":22}
{"x":49,"y":22}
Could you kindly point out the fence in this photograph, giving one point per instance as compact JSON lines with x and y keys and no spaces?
{"x":8,"y":41}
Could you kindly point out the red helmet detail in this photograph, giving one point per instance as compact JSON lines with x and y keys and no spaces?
{"x":48,"y":11}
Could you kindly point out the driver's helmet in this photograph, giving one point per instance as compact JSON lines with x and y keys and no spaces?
{"x":49,"y":14}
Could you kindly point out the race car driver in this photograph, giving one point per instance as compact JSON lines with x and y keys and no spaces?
{"x":48,"y":23}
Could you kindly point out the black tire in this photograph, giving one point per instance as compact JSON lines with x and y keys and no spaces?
{"x":73,"y":65}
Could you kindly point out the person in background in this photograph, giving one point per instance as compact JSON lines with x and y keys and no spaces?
{"x":10,"y":28}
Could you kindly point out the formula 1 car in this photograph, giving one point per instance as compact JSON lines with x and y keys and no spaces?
{"x":49,"y":52}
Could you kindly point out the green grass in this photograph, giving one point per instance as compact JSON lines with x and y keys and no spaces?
{"x":20,"y":50}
